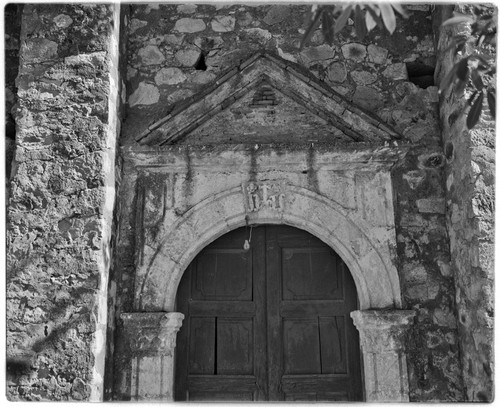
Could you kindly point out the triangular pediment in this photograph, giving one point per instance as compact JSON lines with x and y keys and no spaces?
{"x":262,"y":99}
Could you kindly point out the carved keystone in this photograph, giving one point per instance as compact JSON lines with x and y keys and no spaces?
{"x":382,"y":336}
{"x":150,"y":341}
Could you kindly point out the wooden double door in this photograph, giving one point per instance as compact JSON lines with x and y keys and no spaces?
{"x":269,"y":323}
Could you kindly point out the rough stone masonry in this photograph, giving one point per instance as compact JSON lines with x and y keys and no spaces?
{"x":98,"y":92}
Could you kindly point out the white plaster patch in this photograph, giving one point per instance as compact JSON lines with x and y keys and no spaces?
{"x":145,"y":94}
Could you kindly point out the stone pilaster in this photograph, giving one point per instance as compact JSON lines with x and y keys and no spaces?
{"x":382,"y":337}
{"x":149,"y":340}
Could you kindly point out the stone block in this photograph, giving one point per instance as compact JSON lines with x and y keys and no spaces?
{"x":135,"y":24}
{"x":354,"y":51}
{"x":151,"y":55}
{"x":337,"y":72}
{"x":188,"y":57}
{"x":363,"y":77}
{"x":145,"y":94}
{"x":223,"y":23}
{"x":169,"y":76}
{"x":189,"y":25}
{"x":396,"y":72}
{"x":368,"y":98}
{"x":377,"y":54}
{"x":319,"y":53}
{"x":62,"y":21}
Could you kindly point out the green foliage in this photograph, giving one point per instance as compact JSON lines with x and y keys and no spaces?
{"x":476,"y":60}
{"x":476,"y":52}
{"x":333,"y":19}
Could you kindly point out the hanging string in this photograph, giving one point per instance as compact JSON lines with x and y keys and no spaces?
{"x":246,"y":245}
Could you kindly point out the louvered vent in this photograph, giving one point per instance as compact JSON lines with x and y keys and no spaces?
{"x":264,"y":96}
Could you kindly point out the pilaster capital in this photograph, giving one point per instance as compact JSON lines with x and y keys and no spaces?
{"x":383,"y":330}
{"x":152,"y":333}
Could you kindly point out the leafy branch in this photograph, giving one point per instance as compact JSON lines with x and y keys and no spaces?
{"x":477,"y":49}
{"x":476,"y":65}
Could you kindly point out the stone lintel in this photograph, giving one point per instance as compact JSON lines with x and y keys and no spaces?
{"x":151,"y":332}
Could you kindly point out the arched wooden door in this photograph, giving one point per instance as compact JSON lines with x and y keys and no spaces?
{"x":270,"y":323}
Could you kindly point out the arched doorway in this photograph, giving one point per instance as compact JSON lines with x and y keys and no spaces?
{"x":268,"y":323}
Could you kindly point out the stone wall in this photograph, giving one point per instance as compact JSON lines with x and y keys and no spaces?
{"x":177,"y":50}
{"x":470,"y":182}
{"x":61,"y":201}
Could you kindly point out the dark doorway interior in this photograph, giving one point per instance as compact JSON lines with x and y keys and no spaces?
{"x":269,"y":323}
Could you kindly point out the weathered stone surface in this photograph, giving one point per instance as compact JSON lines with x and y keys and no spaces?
{"x":145,"y":94}
{"x":277,"y":14}
{"x":187,"y":8}
{"x":151,"y":55}
{"x":314,"y":54}
{"x":61,"y":202}
{"x":39,"y":50}
{"x":203,"y":77}
{"x":354,"y":51}
{"x":432,"y":205}
{"x":187,"y":57}
{"x":190,"y":25}
{"x":367,"y":97}
{"x":223,"y":23}
{"x":337,"y":72}
{"x":169,"y":76}
{"x":63,"y":20}
{"x":135,"y":24}
{"x":377,"y":54}
{"x":396,"y":72}
{"x":363,"y":77}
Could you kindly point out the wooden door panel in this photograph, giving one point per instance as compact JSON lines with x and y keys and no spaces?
{"x":333,"y":344}
{"x":301,"y":352}
{"x":223,"y":274}
{"x":310,"y":273}
{"x":235,"y":346}
{"x":201,"y":345}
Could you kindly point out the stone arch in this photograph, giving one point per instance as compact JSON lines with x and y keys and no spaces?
{"x":365,"y":252}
